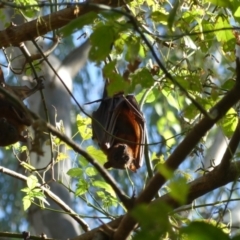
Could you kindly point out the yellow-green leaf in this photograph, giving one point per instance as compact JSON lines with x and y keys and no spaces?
{"x":84,"y":127}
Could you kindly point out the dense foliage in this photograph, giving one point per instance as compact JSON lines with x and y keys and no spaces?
{"x":179,"y":60}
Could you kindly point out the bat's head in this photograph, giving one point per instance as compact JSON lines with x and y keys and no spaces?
{"x":120,"y":156}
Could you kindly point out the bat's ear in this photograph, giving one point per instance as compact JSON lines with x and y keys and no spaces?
{"x":107,"y":165}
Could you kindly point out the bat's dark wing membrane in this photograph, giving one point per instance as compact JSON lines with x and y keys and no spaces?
{"x":100,"y":122}
{"x":113,"y":116}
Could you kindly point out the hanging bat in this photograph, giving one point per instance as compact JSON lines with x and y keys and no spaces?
{"x":14,"y":118}
{"x":121,"y":135}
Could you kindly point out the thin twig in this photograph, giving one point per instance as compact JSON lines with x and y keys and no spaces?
{"x":27,"y":55}
{"x":231,"y":149}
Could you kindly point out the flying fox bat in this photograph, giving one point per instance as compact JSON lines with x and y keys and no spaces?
{"x":14,"y":118}
{"x":121,"y":135}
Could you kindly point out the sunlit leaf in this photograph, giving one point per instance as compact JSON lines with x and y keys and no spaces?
{"x":90,"y":171}
{"x":61,"y":156}
{"x":159,"y":17}
{"x":154,"y":220}
{"x":173,"y":14}
{"x":220,"y":3}
{"x":78,"y":23}
{"x":223,"y":35}
{"x":165,"y":171}
{"x":229,"y":122}
{"x":32,"y":181}
{"x":102,"y":40}
{"x":26,"y":203}
{"x":82,"y":187}
{"x":142,"y":76}
{"x":116,"y":82}
{"x":105,"y":186}
{"x":84,"y":127}
{"x":97,"y":154}
{"x":202,"y":230}
{"x":237,"y":12}
{"x":75,"y":172}
{"x":179,"y":190}
{"x":29,"y":11}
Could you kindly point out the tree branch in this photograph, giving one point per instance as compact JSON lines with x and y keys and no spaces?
{"x":13,"y":35}
{"x":231,"y":149}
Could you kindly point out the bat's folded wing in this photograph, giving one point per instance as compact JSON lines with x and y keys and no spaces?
{"x":101,"y":121}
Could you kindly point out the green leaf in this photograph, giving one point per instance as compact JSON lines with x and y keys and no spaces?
{"x":26,"y":202}
{"x":61,"y":156}
{"x":75,"y":172}
{"x":191,"y":111}
{"x":179,"y":190}
{"x":102,"y":40}
{"x":229,"y":122}
{"x":220,"y":3}
{"x":228,"y":84}
{"x":133,"y":48}
{"x":41,"y":197}
{"x":108,"y":201}
{"x":223,"y":35}
{"x":97,"y":154}
{"x":151,"y":97}
{"x":170,"y":96}
{"x":90,"y":171}
{"x":190,"y":82}
{"x":32,"y":181}
{"x":117,"y":84}
{"x":202,"y":230}
{"x":237,"y":12}
{"x":30,"y":11}
{"x":165,"y":171}
{"x":82,"y":161}
{"x":79,"y":23}
{"x":159,"y":17}
{"x":84,"y":127}
{"x":173,"y":14}
{"x":2,"y":16}
{"x":142,"y":76}
{"x":154,"y":220}
{"x":189,"y":43}
{"x":105,"y":186}
{"x":116,"y":81}
{"x":82,"y":187}
{"x":169,"y":119}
